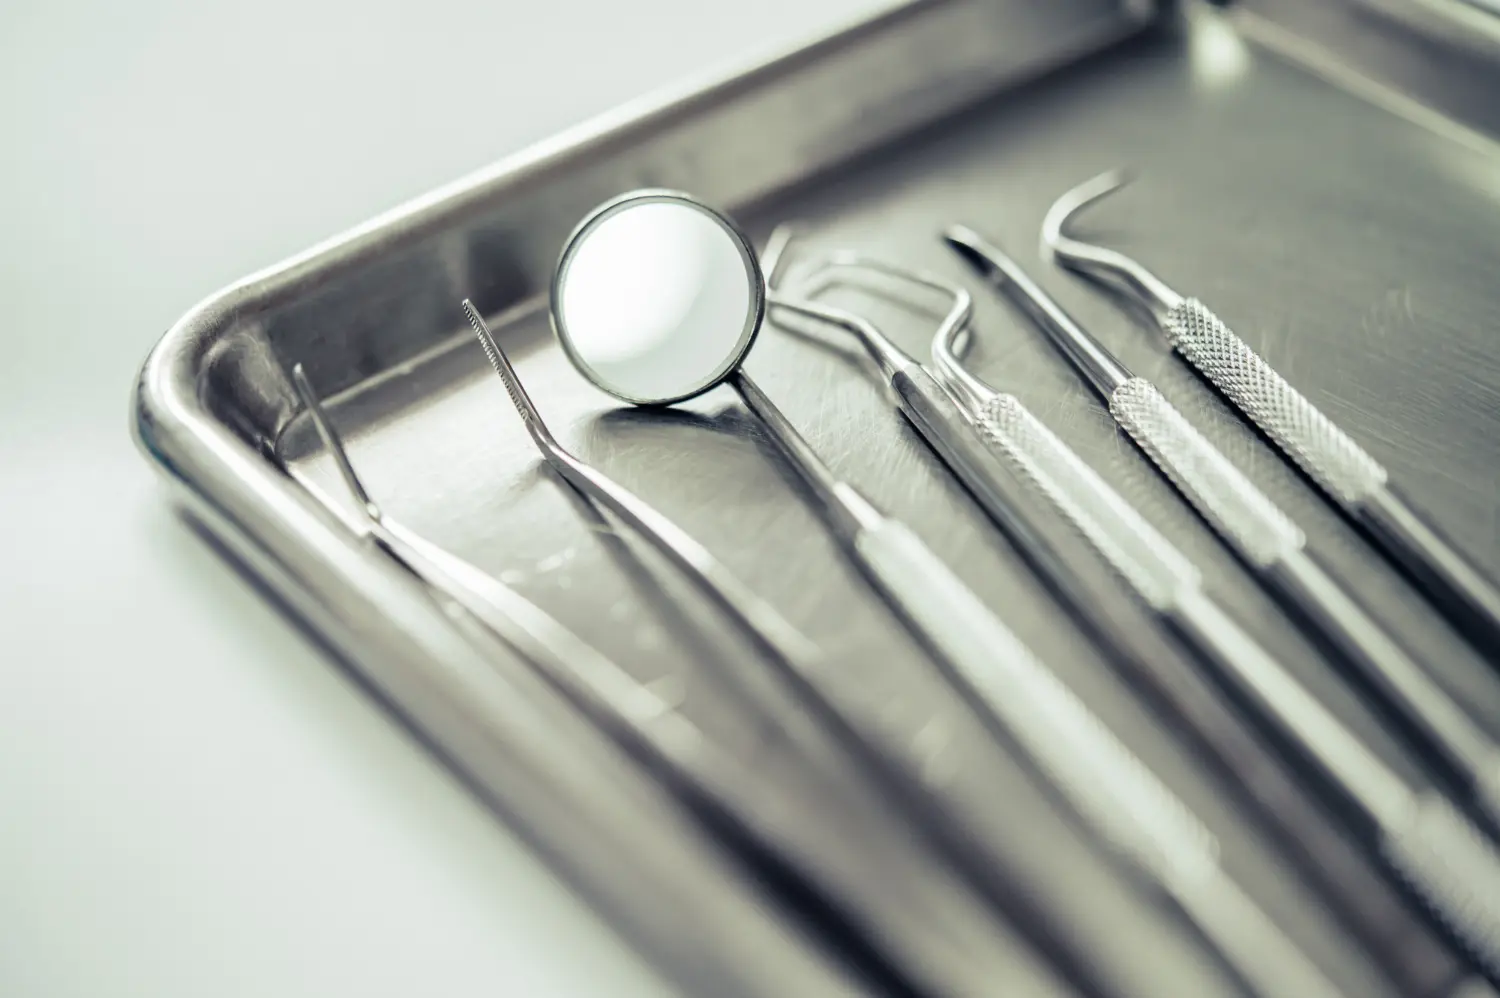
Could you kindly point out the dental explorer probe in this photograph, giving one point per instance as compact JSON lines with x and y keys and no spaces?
{"x":1352,"y":479}
{"x":1439,"y":852}
{"x":1125,"y":805}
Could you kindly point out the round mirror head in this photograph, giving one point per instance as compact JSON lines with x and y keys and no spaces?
{"x":657,"y":297}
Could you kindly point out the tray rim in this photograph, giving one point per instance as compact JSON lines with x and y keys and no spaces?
{"x":175,"y":427}
{"x":198,"y":454}
{"x":164,"y":410}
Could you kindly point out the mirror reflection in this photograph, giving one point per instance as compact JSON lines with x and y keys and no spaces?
{"x":656,"y":298}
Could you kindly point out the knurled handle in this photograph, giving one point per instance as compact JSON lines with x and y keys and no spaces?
{"x":1150,"y":562}
{"x":1284,"y":414}
{"x":1124,"y":802}
{"x":1228,"y":500}
{"x":1454,"y":869}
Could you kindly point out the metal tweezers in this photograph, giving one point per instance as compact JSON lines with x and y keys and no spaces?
{"x":794,"y":657}
{"x":701,"y":773}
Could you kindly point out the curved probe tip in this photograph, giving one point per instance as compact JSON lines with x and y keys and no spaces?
{"x":334,"y":445}
{"x":773,"y":259}
{"x":1114,"y":267}
{"x":987,"y":258}
{"x":1074,"y":201}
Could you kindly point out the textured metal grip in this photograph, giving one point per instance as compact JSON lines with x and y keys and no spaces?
{"x":1455,"y":870}
{"x":1104,"y":782}
{"x":1156,"y":569}
{"x":1308,"y":437}
{"x":1217,"y":489}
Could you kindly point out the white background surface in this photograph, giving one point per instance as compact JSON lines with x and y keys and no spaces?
{"x":193,"y":802}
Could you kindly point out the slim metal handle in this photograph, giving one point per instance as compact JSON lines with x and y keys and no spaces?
{"x":1301,"y":717}
{"x":1458,"y":589}
{"x":1454,"y":869}
{"x":1218,"y":490}
{"x":1148,"y":561}
{"x":1170,"y":583}
{"x":1307,"y":436}
{"x":1354,"y":479}
{"x":1000,"y":493}
{"x":1444,"y":858}
{"x":1274,"y":546}
{"x":1007,"y":433}
{"x":1253,"y":945}
{"x":1101,"y":777}
{"x":1141,"y":554}
{"x":1443,"y":726}
{"x":1117,"y":795}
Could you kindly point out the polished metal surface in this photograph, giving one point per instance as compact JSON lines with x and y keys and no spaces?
{"x":1133,"y":645}
{"x":935,"y":939}
{"x":1436,"y":849}
{"x":1413,"y":56}
{"x":1319,"y":446}
{"x":919,"y":913}
{"x":1220,"y":128}
{"x":1256,"y":529}
{"x":802,"y":663}
{"x":1125,"y":803}
{"x":1168,"y":582}
{"x":1272,"y":546}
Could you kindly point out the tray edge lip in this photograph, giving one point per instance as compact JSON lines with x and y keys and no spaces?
{"x":151,"y":402}
{"x":163,"y":404}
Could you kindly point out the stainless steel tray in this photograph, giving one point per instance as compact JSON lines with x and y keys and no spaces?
{"x":1349,"y":237}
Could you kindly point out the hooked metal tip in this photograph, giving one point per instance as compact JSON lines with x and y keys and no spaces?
{"x":955,"y":321}
{"x":890,"y":358}
{"x":333,"y":444}
{"x":987,"y":258}
{"x":1099,"y":262}
{"x":886,"y":354}
{"x":949,"y":341}
{"x":772,"y":261}
{"x":1097,"y":364}
{"x":1074,"y":201}
{"x":774,"y":257}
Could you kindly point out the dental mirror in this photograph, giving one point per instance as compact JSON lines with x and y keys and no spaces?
{"x":657,"y":297}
